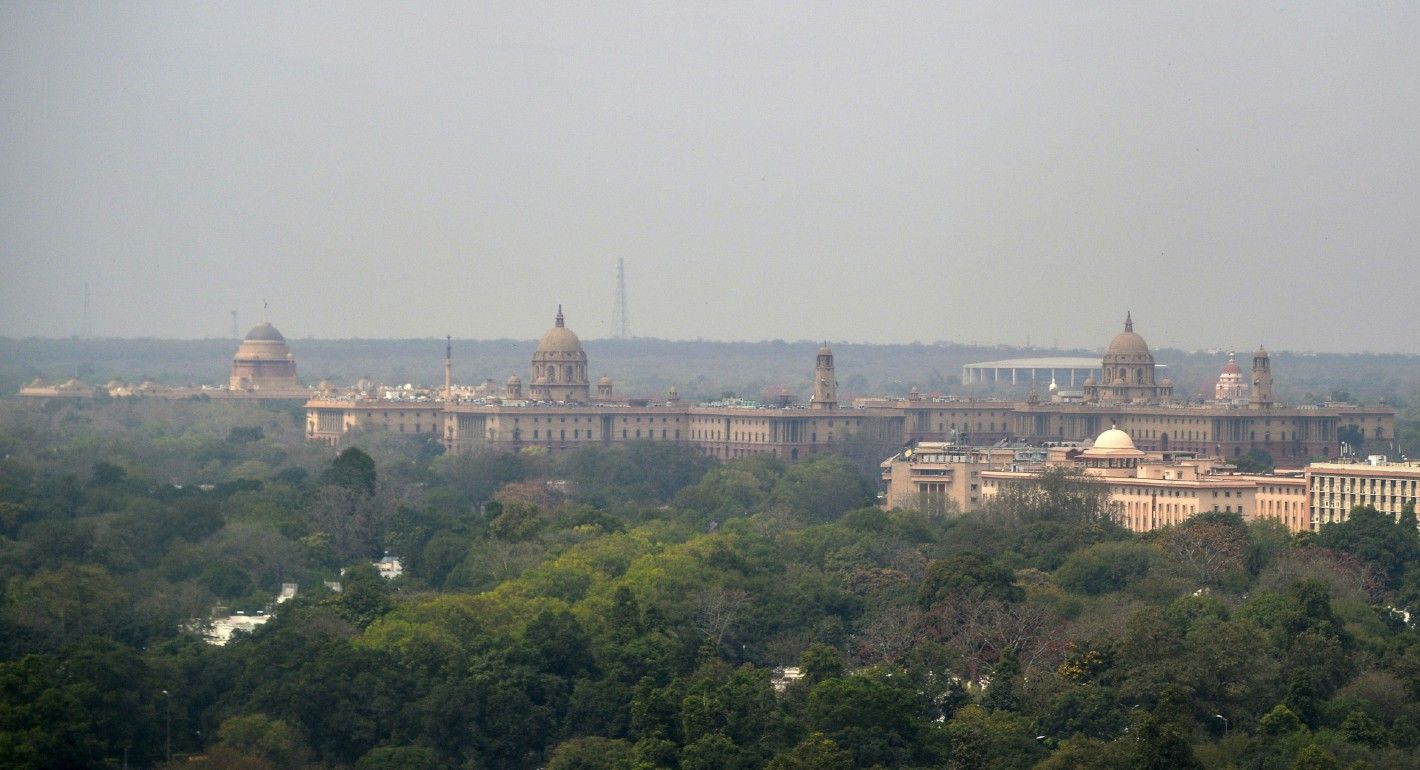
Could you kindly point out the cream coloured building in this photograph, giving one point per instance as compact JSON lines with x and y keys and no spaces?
{"x":1148,"y":491}
{"x":939,"y":478}
{"x":1333,"y":489}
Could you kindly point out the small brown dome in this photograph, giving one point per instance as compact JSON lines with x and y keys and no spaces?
{"x":265,"y":332}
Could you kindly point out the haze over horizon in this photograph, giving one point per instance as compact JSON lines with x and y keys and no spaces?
{"x":979,"y":173}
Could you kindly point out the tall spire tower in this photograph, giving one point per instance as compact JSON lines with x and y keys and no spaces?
{"x":825,"y":385}
{"x":1261,"y":395}
{"x":448,"y":367}
{"x":620,"y":326}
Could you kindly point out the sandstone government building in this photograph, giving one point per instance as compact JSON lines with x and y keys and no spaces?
{"x":559,"y":409}
{"x":1160,"y":458}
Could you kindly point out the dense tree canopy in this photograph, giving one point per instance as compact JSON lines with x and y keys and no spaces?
{"x":635,"y":607}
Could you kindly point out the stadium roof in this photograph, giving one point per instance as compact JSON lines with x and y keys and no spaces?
{"x":1057,"y":362}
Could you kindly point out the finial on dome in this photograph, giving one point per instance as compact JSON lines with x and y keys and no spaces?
{"x":1128,"y":321}
{"x":560,"y":321}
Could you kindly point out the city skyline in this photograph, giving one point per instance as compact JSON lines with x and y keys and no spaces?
{"x":980,"y":174}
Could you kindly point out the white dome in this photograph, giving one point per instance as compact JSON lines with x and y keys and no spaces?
{"x":1114,"y":438}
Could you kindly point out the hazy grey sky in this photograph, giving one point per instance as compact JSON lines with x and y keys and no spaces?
{"x":1233,"y":173}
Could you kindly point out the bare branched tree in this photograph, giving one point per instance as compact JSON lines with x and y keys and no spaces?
{"x":981,"y":629}
{"x":886,"y":637}
{"x":1207,"y":553}
{"x":717,"y":610}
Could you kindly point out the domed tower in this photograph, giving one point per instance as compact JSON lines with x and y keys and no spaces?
{"x":560,"y":365}
{"x":1128,"y":371}
{"x":264,"y":362}
{"x":514,"y":388}
{"x":1261,"y":379}
{"x":1231,"y":385}
{"x":1112,"y":453}
{"x":604,"y":388}
{"x":825,"y":386}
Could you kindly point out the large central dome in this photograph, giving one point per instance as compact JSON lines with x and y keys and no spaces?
{"x":1127,"y":341}
{"x":1127,"y":371}
{"x":560,"y":365}
{"x":559,"y":339}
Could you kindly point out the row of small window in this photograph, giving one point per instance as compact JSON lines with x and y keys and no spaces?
{"x":594,"y":419}
{"x":577,"y":434}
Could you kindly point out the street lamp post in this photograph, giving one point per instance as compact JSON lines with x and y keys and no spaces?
{"x":169,"y":698}
{"x":1226,"y":724}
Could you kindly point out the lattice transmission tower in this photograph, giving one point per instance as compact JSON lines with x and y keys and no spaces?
{"x":620,"y":325}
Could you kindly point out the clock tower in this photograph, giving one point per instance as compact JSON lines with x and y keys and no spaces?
{"x":825,"y":386}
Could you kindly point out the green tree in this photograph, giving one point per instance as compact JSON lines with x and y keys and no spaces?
{"x":401,"y":758}
{"x":561,"y":645}
{"x":1382,"y":542}
{"x":819,"y":662}
{"x":1081,"y":753}
{"x":982,"y":740}
{"x":1105,"y":567}
{"x":1002,"y":694}
{"x":1161,"y":738}
{"x":879,"y":722}
{"x":591,"y":753}
{"x":1255,"y":461}
{"x":518,"y":521}
{"x":1091,"y":711}
{"x":823,"y":488}
{"x":1359,"y":727}
{"x":259,"y":735}
{"x":1280,"y":721}
{"x":815,"y":752}
{"x":969,"y":575}
{"x":80,"y":710}
{"x":1314,"y":757}
{"x":352,"y":469}
{"x":715,"y":752}
{"x":60,"y":606}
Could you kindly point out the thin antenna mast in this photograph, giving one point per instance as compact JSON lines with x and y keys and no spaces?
{"x":620,"y":325}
